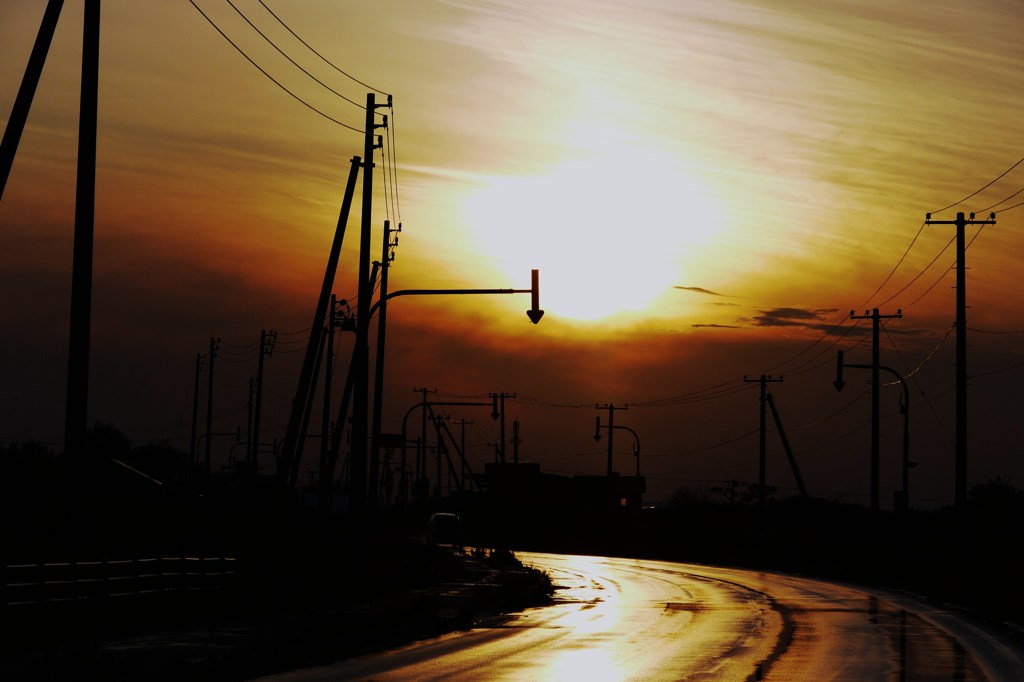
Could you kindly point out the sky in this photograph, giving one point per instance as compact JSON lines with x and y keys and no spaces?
{"x":707,"y":188}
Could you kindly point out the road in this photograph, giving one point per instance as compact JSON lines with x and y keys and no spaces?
{"x":625,"y":619}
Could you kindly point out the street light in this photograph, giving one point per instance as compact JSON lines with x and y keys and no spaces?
{"x":534,"y":313}
{"x":636,"y":439}
{"x":904,"y":410}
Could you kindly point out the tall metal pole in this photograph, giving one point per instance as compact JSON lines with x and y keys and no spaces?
{"x":76,"y":414}
{"x":762,"y":457}
{"x":875,"y":386}
{"x":195,"y":409}
{"x":498,"y":412}
{"x":502,"y":439}
{"x":288,"y":466}
{"x":960,"y":489}
{"x":325,"y":423}
{"x":249,"y":459}
{"x":360,"y":405}
{"x":29,"y":82}
{"x":378,"y":380}
{"x":904,"y":499}
{"x":266,"y":350}
{"x":611,"y":428}
{"x":214,"y":344}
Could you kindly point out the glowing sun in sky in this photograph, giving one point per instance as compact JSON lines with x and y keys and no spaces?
{"x":610,"y":233}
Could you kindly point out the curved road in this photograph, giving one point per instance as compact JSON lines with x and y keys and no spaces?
{"x":626,"y":619}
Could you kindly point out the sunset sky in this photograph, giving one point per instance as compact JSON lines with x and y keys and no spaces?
{"x":708,"y":187}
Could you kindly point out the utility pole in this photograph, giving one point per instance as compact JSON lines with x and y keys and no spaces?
{"x":902,"y":501}
{"x":611,"y":427}
{"x":214,"y":345}
{"x":267,"y":339}
{"x":421,"y":447}
{"x":875,"y":386}
{"x":785,"y":445}
{"x":195,"y":408}
{"x":515,"y":441}
{"x":387,"y":256}
{"x":960,"y":490}
{"x":77,"y":406}
{"x":27,"y":91}
{"x":290,"y":456}
{"x":462,"y":425}
{"x":762,"y":459}
{"x":325,"y":422}
{"x":250,"y":403}
{"x":496,"y":412}
{"x":360,"y":406}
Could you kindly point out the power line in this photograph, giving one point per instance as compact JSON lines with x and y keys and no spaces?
{"x":325,"y":60}
{"x":394,"y":164}
{"x":978,"y":191}
{"x":1003,"y":201}
{"x":918,"y":275}
{"x":282,"y":52}
{"x":1008,"y":208}
{"x":895,"y":268}
{"x":271,"y":78}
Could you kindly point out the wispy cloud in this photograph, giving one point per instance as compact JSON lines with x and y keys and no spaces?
{"x":793,"y":317}
{"x":698,"y":290}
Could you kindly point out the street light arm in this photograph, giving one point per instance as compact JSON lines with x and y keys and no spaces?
{"x":441,"y":292}
{"x":896,"y":374}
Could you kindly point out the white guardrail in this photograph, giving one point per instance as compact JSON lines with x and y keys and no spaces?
{"x":40,"y":583}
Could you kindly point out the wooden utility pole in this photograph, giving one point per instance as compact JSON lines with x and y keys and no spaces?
{"x":875,"y":386}
{"x":762,"y":460}
{"x":960,"y":489}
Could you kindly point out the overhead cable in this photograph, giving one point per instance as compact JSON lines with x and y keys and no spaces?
{"x":978,"y":191}
{"x":296,"y":64}
{"x":271,"y":78}
{"x":325,"y":60}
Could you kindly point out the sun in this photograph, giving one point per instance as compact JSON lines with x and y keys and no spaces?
{"x":610,"y":232}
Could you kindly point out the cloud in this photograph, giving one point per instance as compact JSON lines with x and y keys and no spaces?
{"x":793,"y":317}
{"x":715,"y":326}
{"x":698,"y":290}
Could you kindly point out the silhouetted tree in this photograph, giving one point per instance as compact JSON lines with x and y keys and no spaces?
{"x":161,"y":460}
{"x":108,"y":441}
{"x":996,"y":497}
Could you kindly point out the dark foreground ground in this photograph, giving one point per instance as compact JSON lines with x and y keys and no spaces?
{"x":307,"y":588}
{"x":255,"y":627}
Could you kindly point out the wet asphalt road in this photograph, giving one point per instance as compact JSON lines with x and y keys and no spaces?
{"x":625,"y":619}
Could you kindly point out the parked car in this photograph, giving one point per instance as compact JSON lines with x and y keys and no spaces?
{"x":444,"y":529}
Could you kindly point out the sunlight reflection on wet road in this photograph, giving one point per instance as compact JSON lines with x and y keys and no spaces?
{"x":623,"y":619}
